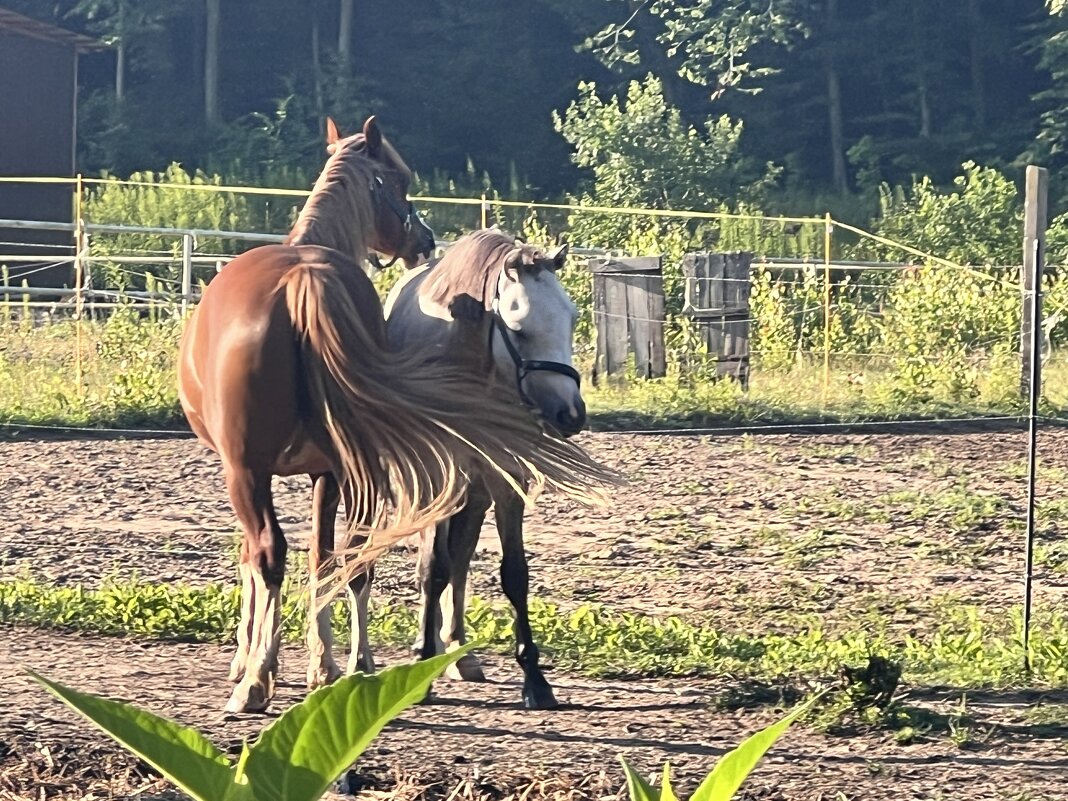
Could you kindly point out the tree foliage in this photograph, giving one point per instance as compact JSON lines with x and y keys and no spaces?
{"x":818,"y":88}
{"x":712,"y":40}
{"x":643,"y":154}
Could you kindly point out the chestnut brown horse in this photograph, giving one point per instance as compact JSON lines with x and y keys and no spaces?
{"x":285,"y":369}
{"x":494,"y":305}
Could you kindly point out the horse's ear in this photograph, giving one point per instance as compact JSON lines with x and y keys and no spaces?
{"x":557,"y":257}
{"x":332,"y":136}
{"x":372,"y":135}
{"x":513,"y":263}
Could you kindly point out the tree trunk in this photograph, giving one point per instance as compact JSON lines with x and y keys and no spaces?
{"x":344,"y":33}
{"x":923,"y":88}
{"x":211,"y":60}
{"x":120,"y":70}
{"x":925,"y":106}
{"x":317,"y":72}
{"x":975,"y":47}
{"x":120,"y":55}
{"x":834,"y":104}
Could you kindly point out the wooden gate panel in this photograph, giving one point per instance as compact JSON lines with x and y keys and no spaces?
{"x":629,"y":314}
{"x":717,"y":299}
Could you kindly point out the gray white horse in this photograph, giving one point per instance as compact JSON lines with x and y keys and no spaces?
{"x":494,"y":305}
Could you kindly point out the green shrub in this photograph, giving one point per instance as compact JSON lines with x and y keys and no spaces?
{"x":979,"y":222}
{"x":160,"y":200}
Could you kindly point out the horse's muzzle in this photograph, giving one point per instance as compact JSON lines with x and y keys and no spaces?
{"x":567,"y":422}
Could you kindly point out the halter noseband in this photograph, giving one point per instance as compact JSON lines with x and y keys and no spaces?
{"x":523,"y":367}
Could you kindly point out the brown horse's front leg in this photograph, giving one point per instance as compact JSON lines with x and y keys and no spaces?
{"x":244,"y":628}
{"x":361,"y":659}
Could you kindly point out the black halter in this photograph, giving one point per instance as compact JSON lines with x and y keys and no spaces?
{"x":404,"y":214}
{"x":525,"y":366}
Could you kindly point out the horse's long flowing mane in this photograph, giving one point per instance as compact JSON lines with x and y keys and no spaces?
{"x":340,"y":212}
{"x":473,"y":266}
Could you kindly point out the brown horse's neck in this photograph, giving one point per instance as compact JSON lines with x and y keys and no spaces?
{"x":315,"y":232}
{"x":340,"y":212}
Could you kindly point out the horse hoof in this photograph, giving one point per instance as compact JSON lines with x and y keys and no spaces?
{"x":466,"y":668}
{"x":365,"y":665}
{"x":539,"y":698}
{"x":248,"y":698}
{"x":319,"y":676}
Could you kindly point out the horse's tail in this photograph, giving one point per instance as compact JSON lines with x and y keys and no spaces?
{"x":405,"y":431}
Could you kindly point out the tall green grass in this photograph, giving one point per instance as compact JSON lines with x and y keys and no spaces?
{"x":129,"y":380}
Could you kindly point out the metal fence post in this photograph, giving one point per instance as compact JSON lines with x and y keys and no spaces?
{"x":828,"y":231}
{"x":1034,"y":247}
{"x":187,"y":271}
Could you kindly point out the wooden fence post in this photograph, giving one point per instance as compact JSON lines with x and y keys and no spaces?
{"x":628,"y":314}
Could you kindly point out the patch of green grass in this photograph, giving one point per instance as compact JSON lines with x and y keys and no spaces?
{"x":801,"y":550}
{"x":1047,"y":715}
{"x":849,"y":453}
{"x":962,"y":650}
{"x":128,"y":380}
{"x":127,"y":365}
{"x":1052,"y":556}
{"x":960,"y":508}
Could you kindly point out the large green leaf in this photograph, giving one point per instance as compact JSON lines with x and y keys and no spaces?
{"x":637,"y":787}
{"x":309,"y":746}
{"x":667,"y":792}
{"x":725,"y":779}
{"x":641,"y":790}
{"x":183,"y":755}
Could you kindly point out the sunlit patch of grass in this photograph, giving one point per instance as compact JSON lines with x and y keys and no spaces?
{"x":963,"y":648}
{"x":127,"y":372}
{"x":128,"y":379}
{"x":796,"y":395}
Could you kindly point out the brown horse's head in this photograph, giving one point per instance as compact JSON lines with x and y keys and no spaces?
{"x":399,"y":231}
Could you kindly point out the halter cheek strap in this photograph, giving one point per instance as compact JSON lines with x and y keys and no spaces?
{"x":377,"y":185}
{"x":524,"y":367}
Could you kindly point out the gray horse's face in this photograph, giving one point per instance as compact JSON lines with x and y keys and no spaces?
{"x":540,"y":318}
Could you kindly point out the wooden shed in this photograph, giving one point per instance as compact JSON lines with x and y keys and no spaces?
{"x":38,"y":110}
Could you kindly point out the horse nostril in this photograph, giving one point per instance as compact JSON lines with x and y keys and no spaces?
{"x":569,"y":423}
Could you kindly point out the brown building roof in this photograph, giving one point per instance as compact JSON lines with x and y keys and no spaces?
{"x":28,"y":26}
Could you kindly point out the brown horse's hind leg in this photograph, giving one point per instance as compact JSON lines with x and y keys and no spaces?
{"x":361,"y":660}
{"x":244,"y":629}
{"x":515,"y":580}
{"x":265,"y":548}
{"x":322,"y":669}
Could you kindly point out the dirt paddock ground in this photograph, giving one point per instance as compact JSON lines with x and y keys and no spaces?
{"x":747,"y":532}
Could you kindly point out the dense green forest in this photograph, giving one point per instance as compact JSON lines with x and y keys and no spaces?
{"x":796,"y":105}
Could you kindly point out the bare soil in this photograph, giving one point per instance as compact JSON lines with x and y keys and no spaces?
{"x":760,"y":532}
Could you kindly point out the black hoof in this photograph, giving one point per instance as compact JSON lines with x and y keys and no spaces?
{"x":539,"y":697}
